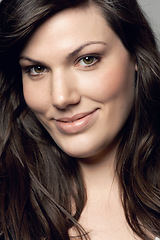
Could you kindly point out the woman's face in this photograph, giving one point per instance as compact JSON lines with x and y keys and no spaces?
{"x":78,"y":79}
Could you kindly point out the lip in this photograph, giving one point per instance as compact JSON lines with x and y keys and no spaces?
{"x":76,"y":123}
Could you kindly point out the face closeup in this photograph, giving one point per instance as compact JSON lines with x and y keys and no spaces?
{"x":78,"y":79}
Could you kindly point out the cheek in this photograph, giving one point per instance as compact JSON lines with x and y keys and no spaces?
{"x":35,"y":95}
{"x":110,"y":83}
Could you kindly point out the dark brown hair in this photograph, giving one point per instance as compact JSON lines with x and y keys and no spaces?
{"x":38,"y":182}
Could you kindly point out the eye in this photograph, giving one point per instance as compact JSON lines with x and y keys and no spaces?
{"x":88,"y":61}
{"x":36,"y":70}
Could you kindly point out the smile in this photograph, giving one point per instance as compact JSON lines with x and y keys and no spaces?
{"x":77,"y":123}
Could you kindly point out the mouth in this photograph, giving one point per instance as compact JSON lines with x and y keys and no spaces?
{"x":76,"y":123}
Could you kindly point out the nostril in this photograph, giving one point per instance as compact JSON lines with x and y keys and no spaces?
{"x":63,"y":102}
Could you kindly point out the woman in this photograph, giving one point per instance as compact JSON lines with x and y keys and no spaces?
{"x":79,"y":127}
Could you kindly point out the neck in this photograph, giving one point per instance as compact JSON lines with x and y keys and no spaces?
{"x":99,"y":171}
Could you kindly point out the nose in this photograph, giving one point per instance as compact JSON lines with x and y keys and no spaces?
{"x":64,"y":90}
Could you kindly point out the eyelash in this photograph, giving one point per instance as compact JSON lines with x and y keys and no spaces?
{"x":31,"y":68}
{"x":94,"y":60}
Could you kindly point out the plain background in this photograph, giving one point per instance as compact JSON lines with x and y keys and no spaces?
{"x":152,"y":10}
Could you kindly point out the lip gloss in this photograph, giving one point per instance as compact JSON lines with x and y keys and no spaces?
{"x":76,"y":125}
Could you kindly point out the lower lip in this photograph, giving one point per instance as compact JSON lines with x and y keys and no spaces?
{"x":78,"y":125}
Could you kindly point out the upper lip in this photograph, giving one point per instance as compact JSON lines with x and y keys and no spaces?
{"x":75,"y":117}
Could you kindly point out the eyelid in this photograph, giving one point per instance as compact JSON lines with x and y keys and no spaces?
{"x":88,"y":55}
{"x":93,"y":55}
{"x":28,"y":68}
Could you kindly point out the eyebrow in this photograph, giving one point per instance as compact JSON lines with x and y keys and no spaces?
{"x":79,"y":49}
{"x":70,"y":55}
{"x":31,"y":60}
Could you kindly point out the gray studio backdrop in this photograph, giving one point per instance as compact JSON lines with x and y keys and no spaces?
{"x":152,"y":10}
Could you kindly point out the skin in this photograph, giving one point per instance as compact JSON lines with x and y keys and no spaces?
{"x":59,"y":81}
{"x":68,"y":86}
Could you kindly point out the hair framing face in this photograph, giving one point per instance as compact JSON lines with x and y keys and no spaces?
{"x":29,"y":157}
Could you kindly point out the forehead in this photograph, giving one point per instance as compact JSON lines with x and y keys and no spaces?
{"x":70,"y":28}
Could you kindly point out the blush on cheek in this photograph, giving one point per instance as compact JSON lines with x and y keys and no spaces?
{"x":108,"y":86}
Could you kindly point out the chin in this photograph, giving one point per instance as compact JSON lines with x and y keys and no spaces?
{"x":78,"y":153}
{"x":85,"y":151}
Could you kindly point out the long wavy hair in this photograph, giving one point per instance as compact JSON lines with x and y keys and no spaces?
{"x":38,"y":182}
